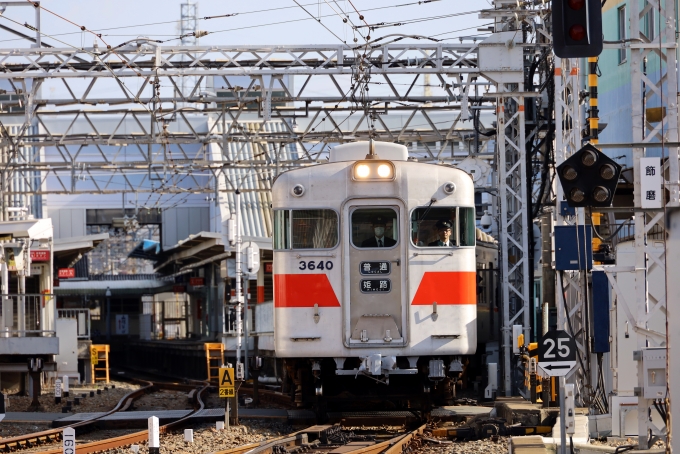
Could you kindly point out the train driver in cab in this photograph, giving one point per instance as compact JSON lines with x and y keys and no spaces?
{"x":444,"y":228}
{"x":379,"y":239}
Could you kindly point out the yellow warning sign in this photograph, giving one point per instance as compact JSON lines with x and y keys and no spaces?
{"x":226,"y":382}
{"x":227,"y":392}
{"x":94,"y":356}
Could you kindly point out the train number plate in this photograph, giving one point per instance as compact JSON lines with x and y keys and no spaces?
{"x":376,"y":285}
{"x":367,"y":268}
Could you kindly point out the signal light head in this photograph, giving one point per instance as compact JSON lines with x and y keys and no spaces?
{"x":576,"y":195}
{"x":607,"y":171}
{"x":577,"y":32}
{"x":589,"y":178}
{"x":577,"y":28}
{"x":588,"y":158}
{"x":601,"y":194}
{"x":569,"y":173}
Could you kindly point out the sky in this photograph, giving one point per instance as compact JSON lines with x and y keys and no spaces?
{"x":257,"y":22}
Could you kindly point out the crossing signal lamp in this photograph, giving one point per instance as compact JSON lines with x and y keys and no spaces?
{"x":589,"y":178}
{"x":577,"y":28}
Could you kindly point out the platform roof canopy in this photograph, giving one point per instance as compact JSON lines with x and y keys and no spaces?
{"x":196,"y":250}
{"x":34,"y":229}
{"x":67,"y":251}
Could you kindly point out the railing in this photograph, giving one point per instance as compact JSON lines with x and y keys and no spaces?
{"x":627,"y":232}
{"x":21,"y":315}
{"x":169,"y":319}
{"x":82,"y":316}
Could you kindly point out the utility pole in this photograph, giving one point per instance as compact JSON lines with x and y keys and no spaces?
{"x":239,"y":282}
{"x":672,"y":331}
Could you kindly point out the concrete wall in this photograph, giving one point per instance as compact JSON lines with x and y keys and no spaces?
{"x":67,"y":222}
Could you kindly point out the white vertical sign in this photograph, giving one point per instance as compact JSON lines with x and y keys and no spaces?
{"x":122,"y":324}
{"x":154,"y":436}
{"x":69,"y":438}
{"x":650,"y":183}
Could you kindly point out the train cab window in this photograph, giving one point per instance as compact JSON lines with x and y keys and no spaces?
{"x":374,"y":227}
{"x":443,"y":226}
{"x":434,"y":227}
{"x":305,"y":229}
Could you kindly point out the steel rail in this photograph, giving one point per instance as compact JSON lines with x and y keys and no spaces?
{"x":395,"y":445}
{"x":38,"y":438}
{"x":137,"y":437}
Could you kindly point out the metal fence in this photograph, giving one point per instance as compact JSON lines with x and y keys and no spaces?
{"x":627,"y":232}
{"x":82,"y":316}
{"x":169,"y":319}
{"x":21,"y":315}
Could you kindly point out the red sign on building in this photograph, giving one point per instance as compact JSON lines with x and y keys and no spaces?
{"x":196,"y":281}
{"x":40,"y":256}
{"x":179,"y":289}
{"x":268,"y":267}
{"x":66,"y":273}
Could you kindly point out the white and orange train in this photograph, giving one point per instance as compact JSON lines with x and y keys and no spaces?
{"x":372,"y":296}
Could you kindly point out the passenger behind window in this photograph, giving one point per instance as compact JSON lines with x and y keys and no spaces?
{"x":444,"y":228}
{"x":379,"y":239}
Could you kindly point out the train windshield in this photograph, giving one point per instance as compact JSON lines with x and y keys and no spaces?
{"x":305,"y":229}
{"x":443,"y":227}
{"x":374,"y":227}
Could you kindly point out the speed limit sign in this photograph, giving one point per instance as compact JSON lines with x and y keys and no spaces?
{"x":556,"y":353}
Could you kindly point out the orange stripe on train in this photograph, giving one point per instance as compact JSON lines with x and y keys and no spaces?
{"x":447,"y":287}
{"x":304,"y":290}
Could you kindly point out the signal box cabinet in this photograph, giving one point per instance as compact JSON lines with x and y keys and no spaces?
{"x":573,"y":248}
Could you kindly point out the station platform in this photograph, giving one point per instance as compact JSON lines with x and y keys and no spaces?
{"x":170,"y":358}
{"x":139,"y":419}
{"x":30,"y":417}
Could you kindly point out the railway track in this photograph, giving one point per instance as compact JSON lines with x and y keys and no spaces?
{"x":53,"y":435}
{"x":327,"y":439}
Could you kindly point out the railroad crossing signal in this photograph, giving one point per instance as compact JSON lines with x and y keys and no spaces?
{"x":557,"y":353}
{"x":226,"y":382}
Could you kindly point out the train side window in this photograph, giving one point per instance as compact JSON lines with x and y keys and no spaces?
{"x":374,"y":227}
{"x":281,"y":229}
{"x":466,"y":227}
{"x":435,"y":227}
{"x":314,"y":229}
{"x":305,"y":229}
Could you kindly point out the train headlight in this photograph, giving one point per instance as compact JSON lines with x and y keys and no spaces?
{"x":373,"y":170}
{"x":362,"y":170}
{"x":384,"y":170}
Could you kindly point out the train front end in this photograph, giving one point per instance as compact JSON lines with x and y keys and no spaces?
{"x":374,"y":274}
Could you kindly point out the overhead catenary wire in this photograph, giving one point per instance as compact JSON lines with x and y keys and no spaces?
{"x":319,"y":21}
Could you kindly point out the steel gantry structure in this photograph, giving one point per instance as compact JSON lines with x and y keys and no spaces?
{"x":137,"y":87}
{"x":142,"y":117}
